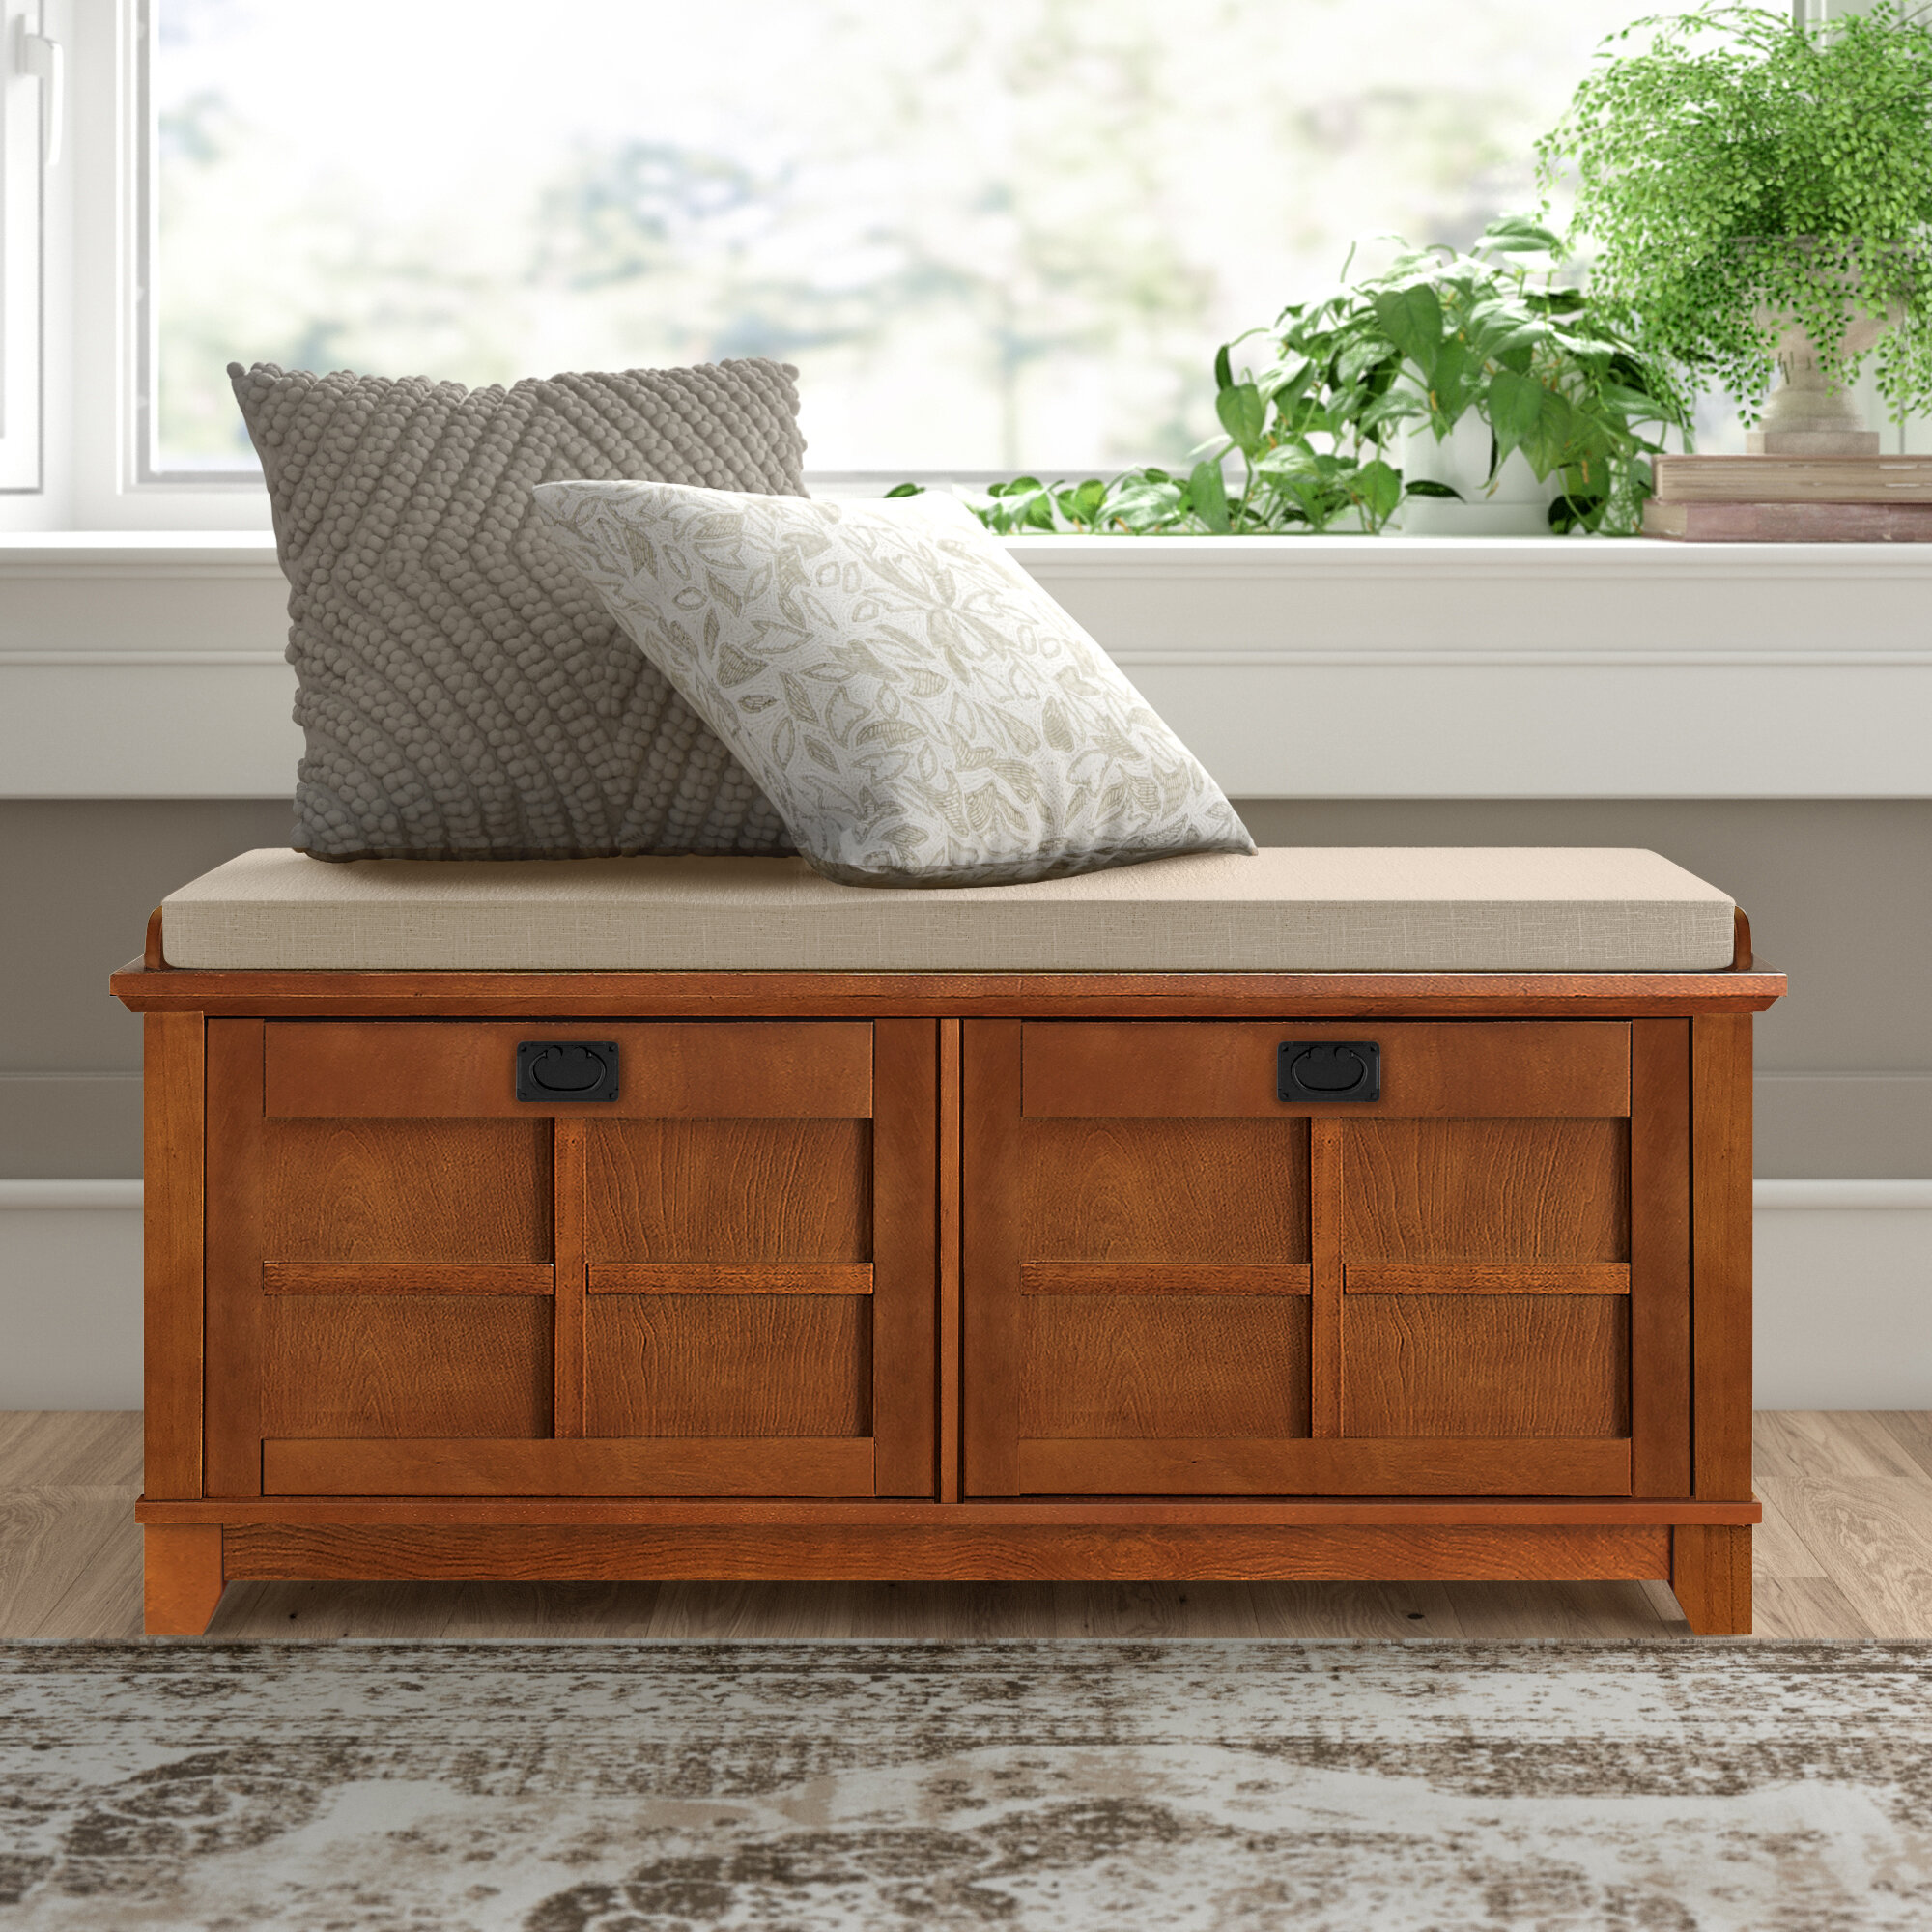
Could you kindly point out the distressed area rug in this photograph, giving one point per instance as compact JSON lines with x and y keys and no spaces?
{"x":650,"y":1787}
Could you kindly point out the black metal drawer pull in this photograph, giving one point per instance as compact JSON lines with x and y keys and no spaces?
{"x":1329,"y":1069}
{"x":566,"y":1070}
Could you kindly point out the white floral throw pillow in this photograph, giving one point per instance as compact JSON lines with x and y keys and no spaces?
{"x":919,"y":712}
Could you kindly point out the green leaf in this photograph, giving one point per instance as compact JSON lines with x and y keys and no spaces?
{"x":1207,"y":496}
{"x":1224,"y":374}
{"x":1516,"y":408}
{"x":1242,"y":415}
{"x":1378,"y":488}
{"x":1424,"y":486}
{"x":1518,"y":235}
{"x":1411,"y":318}
{"x":906,"y":490}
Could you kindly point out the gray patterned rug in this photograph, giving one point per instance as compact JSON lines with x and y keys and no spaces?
{"x":655,"y":1787}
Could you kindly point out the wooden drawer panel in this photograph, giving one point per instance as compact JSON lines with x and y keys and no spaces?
{"x":439,"y":1068}
{"x":1488,"y":1366}
{"x":1107,"y":1190}
{"x":1130,"y":1367}
{"x":1486,"y":1190}
{"x":394,"y":1366}
{"x":731,"y":1191}
{"x":1186,"y":1068}
{"x":746,"y":1365}
{"x":430,"y":1191}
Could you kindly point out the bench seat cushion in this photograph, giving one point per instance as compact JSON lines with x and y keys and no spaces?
{"x":1316,"y":909}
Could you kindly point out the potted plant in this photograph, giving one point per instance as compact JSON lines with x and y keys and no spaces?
{"x":1507,"y":404}
{"x":1517,"y":408}
{"x":1761,"y":189}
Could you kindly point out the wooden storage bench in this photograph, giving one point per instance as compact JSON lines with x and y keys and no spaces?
{"x":1318,"y":1215}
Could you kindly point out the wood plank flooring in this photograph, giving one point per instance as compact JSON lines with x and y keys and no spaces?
{"x":1845,"y":1552}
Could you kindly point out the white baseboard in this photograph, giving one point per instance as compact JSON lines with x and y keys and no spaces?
{"x":70,"y":1294}
{"x":1844,"y":1294}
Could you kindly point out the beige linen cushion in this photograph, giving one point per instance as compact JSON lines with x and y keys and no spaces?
{"x":917,"y":708}
{"x":463,"y":695}
{"x":1317,"y":910}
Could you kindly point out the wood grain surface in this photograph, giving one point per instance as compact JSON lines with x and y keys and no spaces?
{"x":1519,"y":1069}
{"x":1490,"y":1366}
{"x":1269,"y":997}
{"x":406,"y":1069}
{"x":172,"y":1081}
{"x":749,"y":1366}
{"x":784,"y":1467}
{"x":731,"y":1190}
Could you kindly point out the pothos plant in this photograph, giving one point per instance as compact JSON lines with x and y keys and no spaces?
{"x":1439,"y":334}
{"x":1742,"y":168}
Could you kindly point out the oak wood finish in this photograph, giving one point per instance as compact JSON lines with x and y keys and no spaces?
{"x":235,"y":1248}
{"x":1120,"y":1512}
{"x":569,"y":1159}
{"x":1496,"y":1366}
{"x":400,"y":1068}
{"x":1313,"y":1465}
{"x":408,"y":1278}
{"x":1472,"y":1296}
{"x":1711,"y":1573}
{"x":752,"y":1366}
{"x":1720,"y":1183}
{"x":732,"y":1278}
{"x":953,"y":1553}
{"x":1486,"y":1278}
{"x":947,"y":1400}
{"x":1201,"y":1068}
{"x":730,"y":1191}
{"x":1271,"y":996}
{"x":1660,"y":1257}
{"x":341,"y":1365}
{"x":905,"y":1239}
{"x":182,"y":1578}
{"x":1162,"y":1278}
{"x":794,"y":1466}
{"x":173,"y":1136}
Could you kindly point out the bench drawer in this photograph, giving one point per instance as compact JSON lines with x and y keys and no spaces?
{"x":1197,"y":1069}
{"x":467,"y":1070}
{"x":1475,"y":1282}
{"x":719,"y":1282}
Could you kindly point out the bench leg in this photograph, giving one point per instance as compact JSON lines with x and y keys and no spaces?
{"x":1711,"y":1573}
{"x":181,"y":1578}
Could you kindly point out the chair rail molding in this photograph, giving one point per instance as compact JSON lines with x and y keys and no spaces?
{"x":151,"y":665}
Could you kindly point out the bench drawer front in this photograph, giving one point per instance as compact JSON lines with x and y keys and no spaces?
{"x":1476,"y":1284}
{"x":1203,"y":1069}
{"x":467,"y":1070}
{"x":721,"y":1284}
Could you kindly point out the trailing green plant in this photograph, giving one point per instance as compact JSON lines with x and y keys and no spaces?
{"x":1742,"y":168}
{"x":1439,"y":335}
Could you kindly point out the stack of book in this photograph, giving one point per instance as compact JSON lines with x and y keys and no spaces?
{"x":1791,"y":499}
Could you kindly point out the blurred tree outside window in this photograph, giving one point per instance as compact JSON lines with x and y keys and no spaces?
{"x":990,"y":237}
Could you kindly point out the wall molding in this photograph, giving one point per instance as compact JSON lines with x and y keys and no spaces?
{"x":1843,"y":1319}
{"x":150,"y":665}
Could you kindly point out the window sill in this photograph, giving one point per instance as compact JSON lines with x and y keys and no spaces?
{"x":151,"y":665}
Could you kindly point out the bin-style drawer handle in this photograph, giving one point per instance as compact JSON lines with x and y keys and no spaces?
{"x":566,"y":1070}
{"x":1329,"y":1069}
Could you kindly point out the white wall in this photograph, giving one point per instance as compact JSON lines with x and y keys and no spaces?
{"x":1844,"y":1294}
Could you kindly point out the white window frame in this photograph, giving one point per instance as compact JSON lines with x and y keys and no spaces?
{"x":77,"y":327}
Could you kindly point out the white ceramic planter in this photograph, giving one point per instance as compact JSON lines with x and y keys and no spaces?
{"x":1518,"y":506}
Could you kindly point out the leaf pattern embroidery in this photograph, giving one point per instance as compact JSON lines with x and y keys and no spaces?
{"x":918,"y":710}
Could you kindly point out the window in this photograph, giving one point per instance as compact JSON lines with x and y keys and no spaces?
{"x":30,"y":103}
{"x":990,"y":237}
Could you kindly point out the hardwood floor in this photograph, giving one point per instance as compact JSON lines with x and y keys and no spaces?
{"x":1845,"y":1552}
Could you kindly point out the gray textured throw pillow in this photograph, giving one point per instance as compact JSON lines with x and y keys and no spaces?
{"x":462,"y":693}
{"x":915,"y":706}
